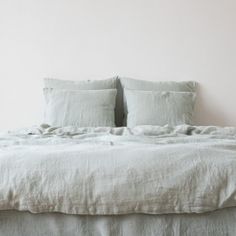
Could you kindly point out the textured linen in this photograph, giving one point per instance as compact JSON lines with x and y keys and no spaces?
{"x":159,"y":108}
{"x":80,"y":107}
{"x":182,"y":86}
{"x":217,"y":223}
{"x":112,"y":83}
{"x":134,"y":84}
{"x":102,"y":171}
{"x":81,"y":84}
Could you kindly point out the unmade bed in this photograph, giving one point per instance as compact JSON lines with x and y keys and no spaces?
{"x":147,"y":180}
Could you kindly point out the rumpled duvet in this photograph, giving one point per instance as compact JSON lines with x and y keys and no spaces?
{"x":109,"y":171}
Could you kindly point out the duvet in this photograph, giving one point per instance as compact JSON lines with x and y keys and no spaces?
{"x":104,"y":171}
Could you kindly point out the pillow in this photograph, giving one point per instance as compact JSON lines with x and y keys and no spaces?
{"x":159,"y":108}
{"x":111,"y":83}
{"x":128,"y":83}
{"x":182,"y":86}
{"x":81,"y":108}
{"x":80,"y":85}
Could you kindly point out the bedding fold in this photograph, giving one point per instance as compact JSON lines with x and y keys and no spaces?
{"x":110,"y":171}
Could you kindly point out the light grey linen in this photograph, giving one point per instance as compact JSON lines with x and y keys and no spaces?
{"x":111,"y":83}
{"x":80,"y":107}
{"x":159,"y":108}
{"x":135,"y":84}
{"x":181,"y":86}
{"x":217,"y":223}
{"x":80,"y":84}
{"x":109,"y":171}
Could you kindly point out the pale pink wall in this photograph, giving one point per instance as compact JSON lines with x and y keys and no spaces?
{"x":146,"y":39}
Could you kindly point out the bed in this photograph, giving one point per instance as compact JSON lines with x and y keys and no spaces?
{"x":118,"y":157}
{"x":146,"y":180}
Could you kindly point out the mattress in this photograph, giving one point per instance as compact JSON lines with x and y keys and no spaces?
{"x":217,"y":223}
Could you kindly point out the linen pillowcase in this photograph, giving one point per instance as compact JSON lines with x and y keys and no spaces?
{"x":134,"y":84}
{"x":159,"y":108}
{"x":111,"y":83}
{"x":81,"y":84}
{"x":81,"y":108}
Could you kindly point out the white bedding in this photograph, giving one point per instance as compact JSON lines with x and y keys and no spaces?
{"x":109,"y":171}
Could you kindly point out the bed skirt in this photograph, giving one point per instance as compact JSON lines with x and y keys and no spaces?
{"x":218,"y":223}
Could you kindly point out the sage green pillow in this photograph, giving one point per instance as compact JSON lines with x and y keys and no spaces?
{"x":111,"y":83}
{"x":135,"y":84}
{"x":80,"y":108}
{"x":80,"y":84}
{"x":159,"y":108}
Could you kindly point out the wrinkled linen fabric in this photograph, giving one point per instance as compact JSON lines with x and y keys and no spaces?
{"x":88,"y":84}
{"x":161,"y":86}
{"x":173,"y":108}
{"x":109,"y":171}
{"x":111,"y":83}
{"x":217,"y":223}
{"x":80,"y":107}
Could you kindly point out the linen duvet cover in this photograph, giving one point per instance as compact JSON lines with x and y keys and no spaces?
{"x":113,"y":171}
